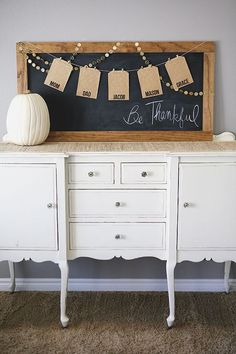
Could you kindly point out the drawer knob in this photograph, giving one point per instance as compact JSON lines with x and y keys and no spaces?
{"x":90,"y":174}
{"x":144,"y":174}
{"x":117,"y":204}
{"x":49,"y":205}
{"x":117,"y":237}
{"x":186,"y":205}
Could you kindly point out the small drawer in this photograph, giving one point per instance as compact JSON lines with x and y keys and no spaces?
{"x":117,"y":236}
{"x":91,"y":173}
{"x":110,"y":203}
{"x":143,"y":173}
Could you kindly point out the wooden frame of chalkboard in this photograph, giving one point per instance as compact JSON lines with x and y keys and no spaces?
{"x":207,"y":49}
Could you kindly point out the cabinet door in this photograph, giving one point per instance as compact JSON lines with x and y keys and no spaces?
{"x":28,"y":216}
{"x":207,"y":206}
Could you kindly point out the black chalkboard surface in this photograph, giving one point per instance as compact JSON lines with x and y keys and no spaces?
{"x":170,"y":111}
{"x":172,"y":116}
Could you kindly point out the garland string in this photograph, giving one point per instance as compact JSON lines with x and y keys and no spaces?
{"x":107,"y":71}
{"x":77,"y":66}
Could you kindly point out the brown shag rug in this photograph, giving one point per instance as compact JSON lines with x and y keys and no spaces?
{"x":117,"y":322}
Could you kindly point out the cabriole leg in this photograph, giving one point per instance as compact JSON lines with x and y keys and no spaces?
{"x":226,"y":275}
{"x":170,"y":268}
{"x":64,"y":283}
{"x":12,"y":276}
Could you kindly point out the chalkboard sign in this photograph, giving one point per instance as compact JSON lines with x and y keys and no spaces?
{"x":171,"y":116}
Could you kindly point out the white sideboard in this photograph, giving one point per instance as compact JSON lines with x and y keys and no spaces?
{"x":33,"y":212}
{"x":172,"y":201}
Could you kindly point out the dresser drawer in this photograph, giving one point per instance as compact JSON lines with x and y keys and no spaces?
{"x":143,"y":173}
{"x":105,"y":203}
{"x":117,"y":235}
{"x":91,"y":173}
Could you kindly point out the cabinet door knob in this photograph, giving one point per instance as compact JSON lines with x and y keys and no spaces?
{"x":117,"y":237}
{"x":117,"y":204}
{"x":186,"y":205}
{"x":49,"y":205}
{"x":90,"y":174}
{"x":144,"y":174}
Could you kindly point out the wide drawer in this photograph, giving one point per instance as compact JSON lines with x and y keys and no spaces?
{"x":143,"y":173}
{"x":91,"y":173}
{"x":117,"y":235}
{"x":105,"y":203}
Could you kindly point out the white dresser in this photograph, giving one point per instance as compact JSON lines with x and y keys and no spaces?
{"x":172,"y":201}
{"x":117,"y":205}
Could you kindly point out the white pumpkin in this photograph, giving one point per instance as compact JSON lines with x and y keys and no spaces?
{"x":27,"y":120}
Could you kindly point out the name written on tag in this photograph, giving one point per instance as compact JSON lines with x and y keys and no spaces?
{"x":86,"y":93}
{"x":54,"y":84}
{"x":119,"y":97}
{"x":149,"y":81}
{"x":58,"y":74}
{"x":118,"y":85}
{"x":179,"y":72}
{"x":88,"y":82}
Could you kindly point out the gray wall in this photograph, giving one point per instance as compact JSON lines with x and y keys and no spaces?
{"x":77,"y":20}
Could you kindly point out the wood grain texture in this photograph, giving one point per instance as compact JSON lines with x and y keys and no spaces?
{"x":125,"y":47}
{"x":208,"y":89}
{"x":116,"y":136}
{"x":128,"y":47}
{"x":22,"y":75}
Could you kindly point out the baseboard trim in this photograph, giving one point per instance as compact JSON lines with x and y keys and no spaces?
{"x":53,"y":284}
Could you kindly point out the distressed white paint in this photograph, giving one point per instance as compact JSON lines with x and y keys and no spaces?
{"x":207,"y":199}
{"x":87,"y":236}
{"x":143,"y":173}
{"x":91,"y":173}
{"x":33,"y":217}
{"x":89,"y":220}
{"x":28,"y":191}
{"x":127,"y":204}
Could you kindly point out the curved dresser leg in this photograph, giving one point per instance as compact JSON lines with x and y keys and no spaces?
{"x":63,"y":265}
{"x":170,"y":268}
{"x":226,"y":275}
{"x":12,"y":276}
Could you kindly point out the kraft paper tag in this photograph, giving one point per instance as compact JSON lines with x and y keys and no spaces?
{"x":58,"y":74}
{"x":150,"y":83}
{"x":118,"y":85}
{"x":88,"y":83}
{"x":178,"y":72}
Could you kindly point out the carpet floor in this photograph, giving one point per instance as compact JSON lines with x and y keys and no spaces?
{"x":117,"y":322}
